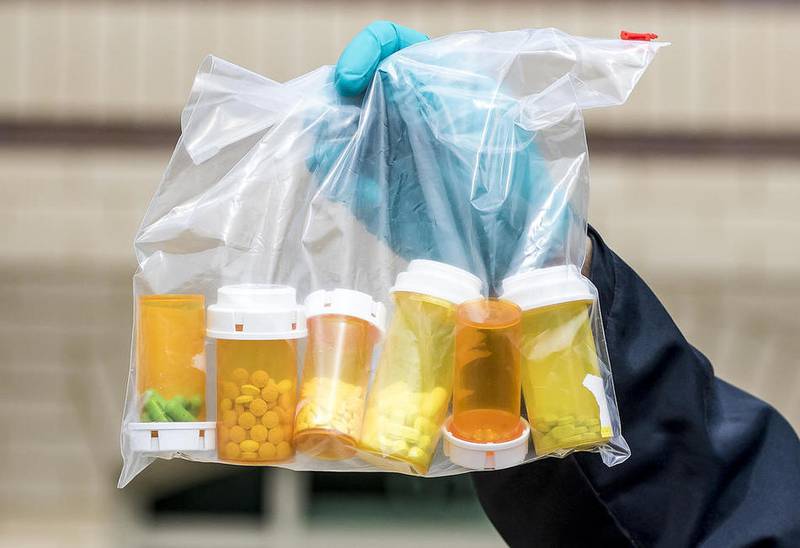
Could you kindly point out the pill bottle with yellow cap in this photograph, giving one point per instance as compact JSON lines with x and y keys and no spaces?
{"x":413,"y":384}
{"x":257,"y":328}
{"x":486,"y":430}
{"x":170,"y":358}
{"x":343,"y":328}
{"x":561,"y":379}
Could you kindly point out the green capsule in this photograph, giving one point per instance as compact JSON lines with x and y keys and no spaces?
{"x":155,"y":410}
{"x":183,"y":402}
{"x":177,"y":412}
{"x":195,"y":403}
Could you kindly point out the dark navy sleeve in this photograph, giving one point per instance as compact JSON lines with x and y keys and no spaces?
{"x":710,"y":464}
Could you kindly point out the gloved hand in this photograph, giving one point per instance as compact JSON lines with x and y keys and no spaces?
{"x":360,"y":59}
{"x":443,"y":171}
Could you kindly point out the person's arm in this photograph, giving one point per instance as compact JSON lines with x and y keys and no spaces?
{"x":710,"y":465}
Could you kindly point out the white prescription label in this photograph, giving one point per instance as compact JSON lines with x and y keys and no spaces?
{"x":594,"y":384}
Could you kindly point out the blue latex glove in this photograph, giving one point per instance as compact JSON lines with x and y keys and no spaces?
{"x":360,"y":59}
{"x":442,"y":171}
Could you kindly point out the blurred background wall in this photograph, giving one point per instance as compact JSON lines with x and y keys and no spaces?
{"x":695,"y":182}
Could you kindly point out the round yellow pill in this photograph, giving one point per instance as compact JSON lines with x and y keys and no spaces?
{"x":248,"y":446}
{"x":283,"y":450}
{"x":285,"y":401}
{"x":275,"y":435}
{"x":260,"y":378}
{"x":226,"y":404}
{"x":267,"y":451}
{"x":270,"y":419}
{"x":244,"y":400}
{"x":258,"y":407}
{"x":229,"y":390}
{"x":284,"y":386}
{"x":240,"y":375}
{"x":238,"y":434}
{"x":232,"y":450}
{"x":247,"y":420}
{"x":250,"y":390}
{"x":229,"y":418}
{"x":259,"y":432}
{"x":249,"y":455}
{"x":269,"y":393}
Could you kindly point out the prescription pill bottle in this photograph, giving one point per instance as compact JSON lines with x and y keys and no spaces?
{"x":256,"y":327}
{"x":413,"y":384}
{"x":343,"y":328}
{"x":170,"y":358}
{"x":561,"y":379}
{"x":486,"y":391}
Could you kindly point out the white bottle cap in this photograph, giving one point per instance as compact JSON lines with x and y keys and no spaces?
{"x":439,"y":280}
{"x":485,"y":456}
{"x":346,"y":302}
{"x":546,"y":286}
{"x":260,"y":312}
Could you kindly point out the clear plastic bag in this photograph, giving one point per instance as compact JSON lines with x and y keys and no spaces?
{"x":434,"y":230}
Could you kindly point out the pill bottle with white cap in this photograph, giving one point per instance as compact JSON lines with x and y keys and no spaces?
{"x":413,"y":384}
{"x":257,"y":328}
{"x":343,"y":328}
{"x":561,"y":378}
{"x":486,"y":430}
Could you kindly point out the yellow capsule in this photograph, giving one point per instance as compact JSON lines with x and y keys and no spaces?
{"x":283,"y":450}
{"x":250,"y":390}
{"x":405,"y":432}
{"x":424,"y":441}
{"x":259,"y":432}
{"x":249,"y":455}
{"x":259,"y":378}
{"x":434,"y":402}
{"x":232,"y":450}
{"x":270,"y":419}
{"x":284,"y":386}
{"x":275,"y":435}
{"x":229,"y":390}
{"x":258,"y":407}
{"x":240,"y":375}
{"x":247,"y":420}
{"x":270,"y":393}
{"x":238,"y":434}
{"x":249,"y":445}
{"x":229,"y":418}
{"x":267,"y":451}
